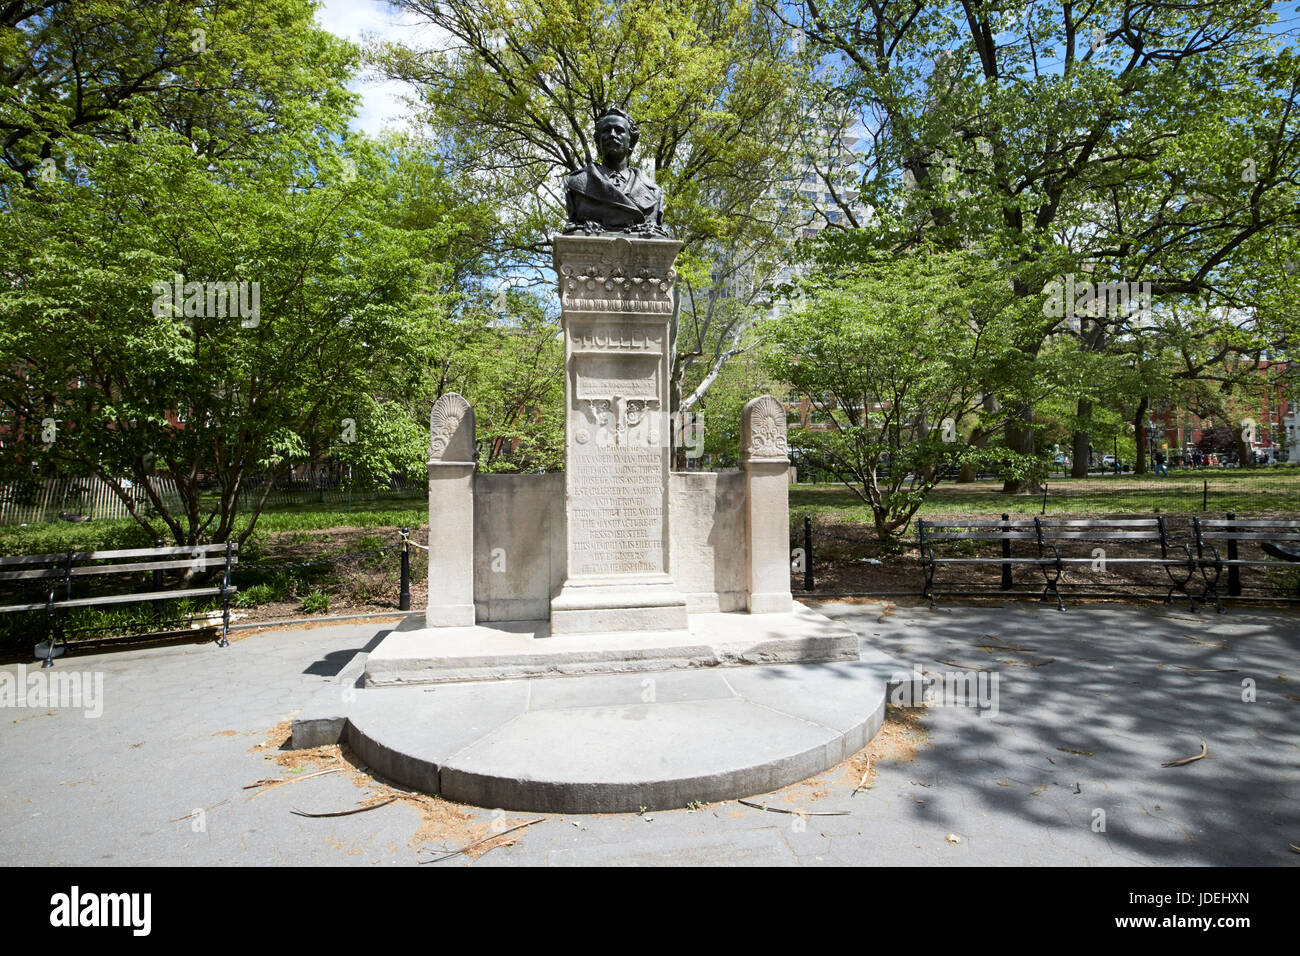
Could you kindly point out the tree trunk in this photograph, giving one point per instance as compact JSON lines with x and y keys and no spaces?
{"x":1245,"y":454}
{"x":1020,"y":438}
{"x":1140,"y":437}
{"x":1081,"y":446}
{"x":991,"y":407}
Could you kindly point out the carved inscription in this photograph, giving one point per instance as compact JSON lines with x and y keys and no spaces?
{"x":616,"y":520}
{"x":627,"y":376}
{"x":618,"y":338}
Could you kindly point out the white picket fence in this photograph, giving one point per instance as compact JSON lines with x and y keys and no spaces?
{"x":90,"y":497}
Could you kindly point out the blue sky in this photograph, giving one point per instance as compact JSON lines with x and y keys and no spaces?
{"x":359,"y":20}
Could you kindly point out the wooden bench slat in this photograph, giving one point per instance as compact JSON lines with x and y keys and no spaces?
{"x":976,"y":536}
{"x":149,"y":596}
{"x":111,"y":555}
{"x":1228,"y":536}
{"x":1248,"y":523}
{"x":23,"y":607}
{"x":978,"y":524}
{"x":50,"y":574}
{"x":1098,"y":522}
{"x":1173,"y":560}
{"x":1102,"y":536}
{"x":204,"y":563}
{"x":1026,"y":560}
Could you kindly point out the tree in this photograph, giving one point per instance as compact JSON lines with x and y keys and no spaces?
{"x":1146,"y":141}
{"x":895,"y":356}
{"x":210,"y":293}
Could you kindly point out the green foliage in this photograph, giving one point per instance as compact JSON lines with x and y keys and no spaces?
{"x":255,"y":595}
{"x":1115,"y":142}
{"x":895,"y":357}
{"x":316,"y":602}
{"x":354,"y":250}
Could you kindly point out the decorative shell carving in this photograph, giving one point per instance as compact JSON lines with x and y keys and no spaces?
{"x":763,"y":430}
{"x":450,"y":435}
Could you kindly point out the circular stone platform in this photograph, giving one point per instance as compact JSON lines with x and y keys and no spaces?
{"x":618,"y":743}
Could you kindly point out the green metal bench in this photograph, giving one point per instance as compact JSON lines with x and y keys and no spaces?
{"x":59,"y":570}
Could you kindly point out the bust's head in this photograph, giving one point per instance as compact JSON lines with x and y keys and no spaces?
{"x":616,"y":137}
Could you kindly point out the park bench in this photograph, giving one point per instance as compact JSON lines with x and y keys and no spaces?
{"x":59,"y":570}
{"x":1048,"y":535}
{"x":930,"y":533}
{"x":1152,"y":531}
{"x":1273,"y":536}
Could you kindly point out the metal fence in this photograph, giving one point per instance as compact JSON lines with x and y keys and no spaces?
{"x":300,"y":492}
{"x":37,"y":502}
{"x":1265,"y":491}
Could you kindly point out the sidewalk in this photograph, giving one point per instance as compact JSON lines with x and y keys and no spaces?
{"x":1090,"y":703}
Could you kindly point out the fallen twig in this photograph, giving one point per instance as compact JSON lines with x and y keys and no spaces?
{"x":1205,"y":749}
{"x":965,"y":667}
{"x":802,"y":813}
{"x":862,"y":784}
{"x":1206,"y":670}
{"x":1196,"y":640}
{"x":344,"y":813}
{"x":204,"y":810}
{"x":490,"y":836}
{"x":281,"y":782}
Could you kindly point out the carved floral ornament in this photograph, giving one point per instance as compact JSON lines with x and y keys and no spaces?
{"x":448,"y":413}
{"x":599,"y":279}
{"x":766,"y":431}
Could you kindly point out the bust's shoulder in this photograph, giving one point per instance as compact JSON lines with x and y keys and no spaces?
{"x":578,"y":179}
{"x":647,"y":179}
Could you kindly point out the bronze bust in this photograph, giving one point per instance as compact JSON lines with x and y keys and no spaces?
{"x":612,"y":196}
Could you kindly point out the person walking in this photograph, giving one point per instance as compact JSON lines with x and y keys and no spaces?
{"x":1160,"y":464}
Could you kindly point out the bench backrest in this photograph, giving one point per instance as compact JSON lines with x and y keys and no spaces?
{"x":1018,"y":530}
{"x":74,"y":564}
{"x":1247,"y":529}
{"x":1107,"y":529}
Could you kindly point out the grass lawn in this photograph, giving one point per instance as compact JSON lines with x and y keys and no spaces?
{"x":1271,"y":491}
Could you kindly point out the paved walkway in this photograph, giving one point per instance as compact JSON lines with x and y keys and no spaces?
{"x":1089,"y":704}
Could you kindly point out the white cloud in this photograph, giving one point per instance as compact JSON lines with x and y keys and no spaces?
{"x":362,"y":21}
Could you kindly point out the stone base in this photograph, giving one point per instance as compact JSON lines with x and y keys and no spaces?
{"x":610,"y":744}
{"x":500,"y":651}
{"x":611,"y":608}
{"x":450,"y":615}
{"x":777,"y":602}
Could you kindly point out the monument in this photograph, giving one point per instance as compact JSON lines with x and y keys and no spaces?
{"x":618,"y":302}
{"x":619,"y":545}
{"x":617,"y":566}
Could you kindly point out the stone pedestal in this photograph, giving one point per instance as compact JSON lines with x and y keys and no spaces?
{"x":451,"y":513}
{"x":618,"y":306}
{"x":765,"y":456}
